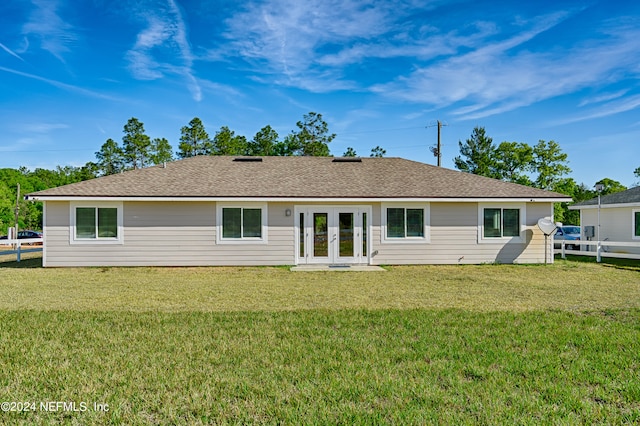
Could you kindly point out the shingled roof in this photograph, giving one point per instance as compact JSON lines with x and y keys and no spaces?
{"x":625,"y":197}
{"x":296,"y":177}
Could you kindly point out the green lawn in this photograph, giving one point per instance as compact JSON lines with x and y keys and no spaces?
{"x":450,"y":345}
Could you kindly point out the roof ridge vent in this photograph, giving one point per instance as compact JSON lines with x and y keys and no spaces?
{"x":347,"y":160}
{"x":248,"y":159}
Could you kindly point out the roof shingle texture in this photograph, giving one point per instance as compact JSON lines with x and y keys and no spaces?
{"x":296,"y":177}
{"x":625,"y":197}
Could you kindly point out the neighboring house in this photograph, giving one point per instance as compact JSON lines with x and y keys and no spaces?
{"x":219,"y":210}
{"x":619,"y":219}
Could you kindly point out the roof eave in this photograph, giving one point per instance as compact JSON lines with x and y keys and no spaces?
{"x":300,"y":199}
{"x":604,"y":206}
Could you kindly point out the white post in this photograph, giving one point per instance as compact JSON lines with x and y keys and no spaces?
{"x":599,"y":187}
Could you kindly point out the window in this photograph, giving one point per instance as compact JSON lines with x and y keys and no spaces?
{"x":501,"y":223}
{"x":498,"y":222}
{"x":242,"y":223}
{"x":405,"y":223}
{"x":636,"y":224}
{"x":96,"y":223}
{"x":364,"y":234}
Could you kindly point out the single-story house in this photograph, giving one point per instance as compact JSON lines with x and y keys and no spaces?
{"x":223,"y":210}
{"x":619,"y":219}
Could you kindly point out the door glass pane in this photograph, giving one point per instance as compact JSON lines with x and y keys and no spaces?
{"x":511,"y":226}
{"x":364,"y":234}
{"x":85,"y":222}
{"x":107,"y":223}
{"x":231,"y":223}
{"x":320,"y":235}
{"x":492,"y":223}
{"x":252,"y":223}
{"x":395,"y":223}
{"x":415,"y":223}
{"x":301,"y":236}
{"x":346,"y":234}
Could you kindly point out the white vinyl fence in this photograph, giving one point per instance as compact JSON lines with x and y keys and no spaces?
{"x":17,"y":248}
{"x":600,"y":249}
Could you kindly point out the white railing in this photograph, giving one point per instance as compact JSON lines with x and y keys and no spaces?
{"x":598,"y":249}
{"x":17,"y":246}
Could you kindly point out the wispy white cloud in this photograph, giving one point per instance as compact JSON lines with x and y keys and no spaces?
{"x":60,"y":85}
{"x":476,"y":70}
{"x":298,"y":43}
{"x":419,"y":44}
{"x":488,"y":73}
{"x":45,"y":25}
{"x":603,"y":98}
{"x":165,"y":32}
{"x":500,"y":76}
{"x":10,"y":52}
{"x":610,"y":108}
{"x":42,"y":127}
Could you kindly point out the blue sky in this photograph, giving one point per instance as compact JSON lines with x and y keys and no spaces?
{"x":380,"y":72}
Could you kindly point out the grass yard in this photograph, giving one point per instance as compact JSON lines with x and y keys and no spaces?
{"x":414,"y":345}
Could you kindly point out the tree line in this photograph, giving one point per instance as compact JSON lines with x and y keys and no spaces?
{"x":311,"y":138}
{"x":138,"y":150}
{"x":542,"y":166}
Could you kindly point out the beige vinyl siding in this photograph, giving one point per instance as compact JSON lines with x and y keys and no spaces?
{"x":454,"y":239}
{"x":616,"y":224}
{"x":184,"y":234}
{"x":168,"y":234}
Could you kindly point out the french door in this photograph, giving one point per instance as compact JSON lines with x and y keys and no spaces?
{"x":333,"y":235}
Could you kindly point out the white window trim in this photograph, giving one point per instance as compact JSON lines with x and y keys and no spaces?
{"x":96,"y":204}
{"x":501,"y":240}
{"x":241,"y":240}
{"x":633,"y":224}
{"x":426,"y":207}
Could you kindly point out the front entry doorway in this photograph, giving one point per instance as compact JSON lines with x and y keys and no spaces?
{"x":333,"y":235}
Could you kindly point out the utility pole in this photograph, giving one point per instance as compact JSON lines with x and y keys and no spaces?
{"x":437,"y":150}
{"x":439,"y":145}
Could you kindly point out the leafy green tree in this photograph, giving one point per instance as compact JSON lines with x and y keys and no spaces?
{"x":30,"y":213}
{"x":378,"y":152}
{"x":6,"y":208}
{"x":350,"y":152}
{"x":160,"y":151}
{"x":110,"y":158}
{"x":226,"y":142}
{"x":512,"y":162}
{"x":579,"y":192}
{"x":561,"y":212}
{"x":636,"y":173}
{"x":264,"y":142}
{"x":550,"y":163}
{"x":313,"y":136}
{"x":89,"y":171}
{"x":477,"y":154}
{"x":194,"y":140}
{"x":135,"y":144}
{"x":41,"y":179}
{"x":610,"y":186}
{"x":288,"y":147}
